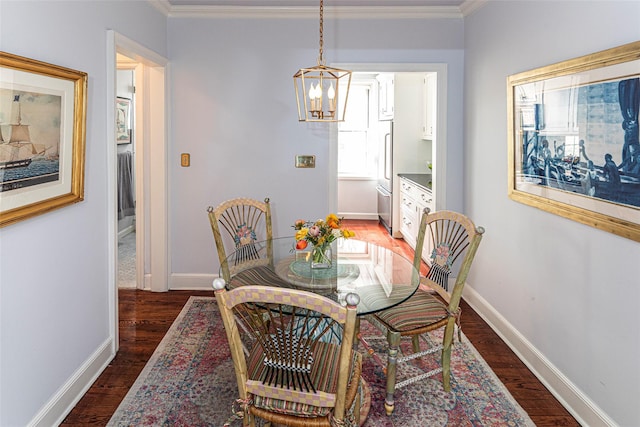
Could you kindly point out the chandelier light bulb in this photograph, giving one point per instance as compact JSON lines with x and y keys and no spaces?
{"x":331,"y":94}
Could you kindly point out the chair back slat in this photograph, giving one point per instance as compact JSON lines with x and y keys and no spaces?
{"x":453,"y":240}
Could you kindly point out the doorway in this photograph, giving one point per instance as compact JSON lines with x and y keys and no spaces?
{"x":150,"y":167}
{"x":360,"y":192}
{"x":127,"y":151}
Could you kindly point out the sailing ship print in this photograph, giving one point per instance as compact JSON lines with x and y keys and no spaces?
{"x":25,"y":160}
{"x":19,"y":151}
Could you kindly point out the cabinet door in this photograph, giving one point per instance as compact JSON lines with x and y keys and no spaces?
{"x":407,"y":187}
{"x":385,"y":96}
{"x":427,"y":248}
{"x":430,"y":105}
{"x":425,"y":199}
{"x":408,"y":226}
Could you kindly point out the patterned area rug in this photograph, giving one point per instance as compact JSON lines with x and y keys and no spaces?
{"x":190,"y":381}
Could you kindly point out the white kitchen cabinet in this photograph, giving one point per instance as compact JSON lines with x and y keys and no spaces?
{"x":386,"y":97}
{"x":414,"y":198}
{"x":429,"y":96}
{"x":408,"y":225}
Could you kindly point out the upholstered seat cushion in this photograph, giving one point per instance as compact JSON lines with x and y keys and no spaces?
{"x":323,"y":375}
{"x":262,"y":275}
{"x":422,"y":309}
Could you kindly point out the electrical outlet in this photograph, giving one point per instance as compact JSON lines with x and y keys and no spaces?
{"x":185,"y":160}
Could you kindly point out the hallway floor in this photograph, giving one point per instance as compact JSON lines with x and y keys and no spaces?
{"x":127,"y":261}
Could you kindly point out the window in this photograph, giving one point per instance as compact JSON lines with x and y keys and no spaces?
{"x":357,"y":148}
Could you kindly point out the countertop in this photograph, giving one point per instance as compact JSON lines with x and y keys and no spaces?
{"x":422,"y":179}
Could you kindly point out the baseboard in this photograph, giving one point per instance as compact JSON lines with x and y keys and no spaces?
{"x":583,"y":409}
{"x":358,"y":215}
{"x":127,"y":286}
{"x":191,"y":282}
{"x":54,"y":411}
{"x":126,"y":230}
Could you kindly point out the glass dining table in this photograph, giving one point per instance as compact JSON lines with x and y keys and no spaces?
{"x":380,"y":277}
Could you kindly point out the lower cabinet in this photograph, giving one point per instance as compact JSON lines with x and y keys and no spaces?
{"x":413,"y":200}
{"x":408,"y":224}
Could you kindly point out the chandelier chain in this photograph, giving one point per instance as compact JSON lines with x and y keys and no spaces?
{"x":320,"y":58}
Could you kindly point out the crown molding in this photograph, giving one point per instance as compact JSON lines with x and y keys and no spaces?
{"x":309,"y":12}
{"x":304,"y":12}
{"x":470,"y":6}
{"x":162,"y":5}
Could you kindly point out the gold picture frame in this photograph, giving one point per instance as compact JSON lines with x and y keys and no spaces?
{"x":43,"y":110}
{"x":573,"y":139}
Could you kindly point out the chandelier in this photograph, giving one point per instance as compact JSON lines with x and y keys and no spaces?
{"x":318,"y":89}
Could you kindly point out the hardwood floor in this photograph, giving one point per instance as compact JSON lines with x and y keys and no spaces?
{"x":145,"y":318}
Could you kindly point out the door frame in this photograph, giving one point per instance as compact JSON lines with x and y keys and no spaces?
{"x":151,"y":170}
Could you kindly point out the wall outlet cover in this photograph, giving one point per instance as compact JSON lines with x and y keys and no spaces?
{"x":306,"y":161}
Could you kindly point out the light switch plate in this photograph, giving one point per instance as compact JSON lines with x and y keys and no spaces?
{"x":306,"y":161}
{"x":185,"y":160}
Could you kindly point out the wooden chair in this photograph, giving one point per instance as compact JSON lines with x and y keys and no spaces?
{"x":454,"y":240}
{"x":245,"y":222}
{"x":292,"y":376}
{"x":242,"y":227}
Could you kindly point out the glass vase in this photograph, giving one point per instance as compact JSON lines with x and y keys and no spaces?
{"x":321,"y":256}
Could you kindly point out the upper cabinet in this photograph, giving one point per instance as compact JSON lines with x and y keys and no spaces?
{"x":385,"y":96}
{"x":429,"y":96}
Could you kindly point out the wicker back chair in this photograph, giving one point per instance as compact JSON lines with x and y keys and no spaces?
{"x":292,"y":376}
{"x":237,"y":226}
{"x":453,"y":240}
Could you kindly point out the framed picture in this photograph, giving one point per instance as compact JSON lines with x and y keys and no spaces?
{"x":123,"y":120}
{"x":42,"y":137}
{"x":573,"y":139}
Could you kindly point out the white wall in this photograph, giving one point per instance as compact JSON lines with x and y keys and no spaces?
{"x":358,"y":198}
{"x":55,"y":294}
{"x":571,"y":291}
{"x":233,"y":108}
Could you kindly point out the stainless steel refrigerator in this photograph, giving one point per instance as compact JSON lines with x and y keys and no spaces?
{"x":385,"y":175}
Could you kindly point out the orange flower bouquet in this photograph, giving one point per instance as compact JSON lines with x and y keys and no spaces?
{"x":320,"y":234}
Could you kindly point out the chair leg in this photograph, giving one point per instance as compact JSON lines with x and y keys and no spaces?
{"x":393,"y":339}
{"x":355,"y":341}
{"x":357,"y":404}
{"x":249,"y":420}
{"x":446,"y":354}
{"x":415,"y":340}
